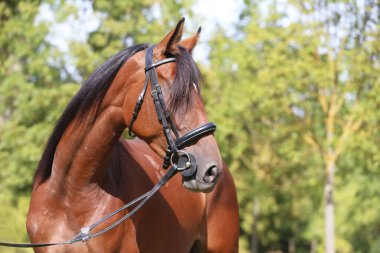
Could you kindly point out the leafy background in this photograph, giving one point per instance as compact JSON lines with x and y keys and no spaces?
{"x":294,"y":90}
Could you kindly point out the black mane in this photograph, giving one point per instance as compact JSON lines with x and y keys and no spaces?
{"x":91,"y":94}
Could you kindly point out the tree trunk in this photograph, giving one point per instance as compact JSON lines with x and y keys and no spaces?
{"x":254,"y":235}
{"x":292,"y":245}
{"x":329,"y":208}
{"x":313,"y":246}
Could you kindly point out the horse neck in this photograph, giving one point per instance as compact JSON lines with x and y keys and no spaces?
{"x":84,"y":153}
{"x":82,"y":156}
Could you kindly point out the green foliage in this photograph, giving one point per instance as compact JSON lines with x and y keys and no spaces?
{"x":12,"y":219}
{"x":282,"y":87}
{"x":26,"y":131}
{"x":125,"y":23}
{"x":32,"y":96}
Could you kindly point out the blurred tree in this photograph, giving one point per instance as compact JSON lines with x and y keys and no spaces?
{"x":30,"y":103}
{"x":30,"y":97}
{"x":297,"y":87}
{"x":123,"y":24}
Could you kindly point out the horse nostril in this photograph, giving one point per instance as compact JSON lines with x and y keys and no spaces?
{"x":211,"y":174}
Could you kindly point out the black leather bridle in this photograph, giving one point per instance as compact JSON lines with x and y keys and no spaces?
{"x":179,"y":159}
{"x":174,"y":153}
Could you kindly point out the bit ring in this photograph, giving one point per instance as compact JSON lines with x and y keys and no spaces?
{"x":182,"y":153}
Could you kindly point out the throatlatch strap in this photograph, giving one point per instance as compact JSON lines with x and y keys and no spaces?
{"x":159,"y":103}
{"x":151,"y":68}
{"x":139,"y":102}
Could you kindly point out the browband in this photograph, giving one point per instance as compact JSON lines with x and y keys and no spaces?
{"x":154,"y":65}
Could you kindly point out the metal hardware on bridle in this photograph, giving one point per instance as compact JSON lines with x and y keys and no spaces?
{"x":181,"y":154}
{"x":174,"y":146}
{"x":186,"y":162}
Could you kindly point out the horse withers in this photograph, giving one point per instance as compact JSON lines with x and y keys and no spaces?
{"x":87,"y":170}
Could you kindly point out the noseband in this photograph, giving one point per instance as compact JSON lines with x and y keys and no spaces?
{"x":174,"y":152}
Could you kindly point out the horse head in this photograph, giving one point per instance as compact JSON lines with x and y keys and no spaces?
{"x":173,"y":119}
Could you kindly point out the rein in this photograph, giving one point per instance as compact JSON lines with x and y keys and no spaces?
{"x":85,"y":234}
{"x":179,"y":159}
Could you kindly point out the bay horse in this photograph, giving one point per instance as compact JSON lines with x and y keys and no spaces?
{"x":88,"y":170}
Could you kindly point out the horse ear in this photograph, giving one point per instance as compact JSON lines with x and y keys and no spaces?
{"x":169,"y":44}
{"x":191,"y":42}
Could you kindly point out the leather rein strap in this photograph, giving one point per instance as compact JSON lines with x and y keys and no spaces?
{"x":85,"y":234}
